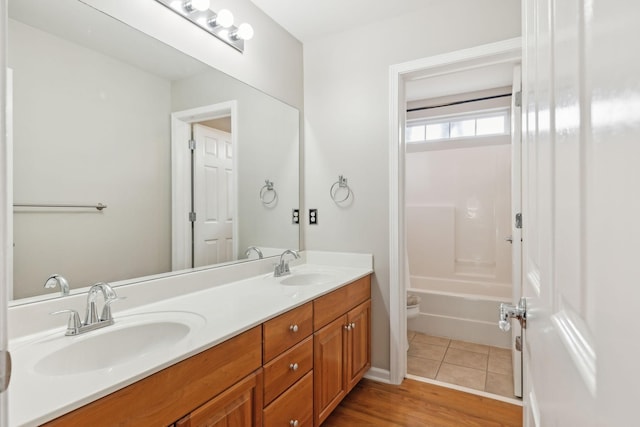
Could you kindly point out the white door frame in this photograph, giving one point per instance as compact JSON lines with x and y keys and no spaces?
{"x":507,"y":51}
{"x":181,"y":175}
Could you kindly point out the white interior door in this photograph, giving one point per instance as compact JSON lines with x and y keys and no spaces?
{"x":516,"y":229}
{"x":559,"y":352}
{"x":212,"y":193}
{"x":581,"y":208}
{"x":6,"y":206}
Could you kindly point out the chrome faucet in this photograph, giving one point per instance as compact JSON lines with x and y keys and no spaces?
{"x":56,"y":279}
{"x":282,"y":268}
{"x":255,"y":249}
{"x":91,"y":313}
{"x":91,"y":320}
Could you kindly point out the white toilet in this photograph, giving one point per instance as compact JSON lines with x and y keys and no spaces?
{"x":413,"y":309}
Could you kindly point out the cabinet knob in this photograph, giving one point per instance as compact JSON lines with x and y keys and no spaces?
{"x":294,"y":423}
{"x":293,"y":328}
{"x":347,"y":327}
{"x":293,"y":367}
{"x":353,"y":325}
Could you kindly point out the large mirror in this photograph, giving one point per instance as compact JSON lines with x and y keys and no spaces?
{"x":103,"y":114}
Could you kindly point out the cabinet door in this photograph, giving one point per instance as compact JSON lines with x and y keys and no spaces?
{"x":329,"y":367}
{"x":358,"y":343}
{"x":239,"y":406}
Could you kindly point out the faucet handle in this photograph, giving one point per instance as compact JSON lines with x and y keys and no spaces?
{"x":106,"y":310}
{"x":73,"y":324}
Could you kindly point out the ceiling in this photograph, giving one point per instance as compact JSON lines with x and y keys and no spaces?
{"x":309,"y":19}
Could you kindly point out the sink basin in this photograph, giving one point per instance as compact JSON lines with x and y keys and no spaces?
{"x":130,"y":338}
{"x":304,"y":279}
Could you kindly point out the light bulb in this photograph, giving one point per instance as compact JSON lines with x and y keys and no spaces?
{"x":224,"y":18}
{"x":245,"y":31}
{"x":200,"y":5}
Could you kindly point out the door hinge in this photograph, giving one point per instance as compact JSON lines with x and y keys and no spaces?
{"x":519,"y":343}
{"x":192,"y":217}
{"x":192,"y":144}
{"x":519,"y":220}
{"x":5,"y":370}
{"x":518,"y":99}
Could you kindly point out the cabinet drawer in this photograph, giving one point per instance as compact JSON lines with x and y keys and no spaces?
{"x":286,"y":369}
{"x":286,"y":330}
{"x":335,"y":304}
{"x":295,"y":404}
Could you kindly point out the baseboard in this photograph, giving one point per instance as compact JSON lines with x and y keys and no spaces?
{"x":379,"y":375}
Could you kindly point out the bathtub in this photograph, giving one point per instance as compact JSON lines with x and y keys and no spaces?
{"x":463,"y":310}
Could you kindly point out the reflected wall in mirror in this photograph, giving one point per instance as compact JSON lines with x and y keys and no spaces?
{"x":93,"y":101}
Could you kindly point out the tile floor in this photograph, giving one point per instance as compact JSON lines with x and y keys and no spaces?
{"x":481,"y":367}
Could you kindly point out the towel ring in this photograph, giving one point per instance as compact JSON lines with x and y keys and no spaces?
{"x":266,"y":189}
{"x":340,"y":183}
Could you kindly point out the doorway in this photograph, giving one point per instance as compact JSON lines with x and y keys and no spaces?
{"x":204,"y":142}
{"x":458,"y":193}
{"x":442,"y":67}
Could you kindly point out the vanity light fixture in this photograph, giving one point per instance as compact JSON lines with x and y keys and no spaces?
{"x":220,"y":25}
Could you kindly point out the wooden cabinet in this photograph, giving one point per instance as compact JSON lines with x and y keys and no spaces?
{"x":342,"y":348}
{"x":292,"y":370}
{"x":239,"y":406}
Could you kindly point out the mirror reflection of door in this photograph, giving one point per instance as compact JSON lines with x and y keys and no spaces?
{"x":212,"y":195}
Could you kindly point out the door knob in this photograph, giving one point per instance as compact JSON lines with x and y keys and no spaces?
{"x":509,"y":311}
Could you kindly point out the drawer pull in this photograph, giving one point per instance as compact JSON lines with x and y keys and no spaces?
{"x":294,"y":423}
{"x":294,"y":367}
{"x":293,"y":328}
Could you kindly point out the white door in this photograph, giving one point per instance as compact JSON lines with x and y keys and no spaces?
{"x":6,"y":207}
{"x":212,"y":194}
{"x":559,"y":353}
{"x":581,"y":171}
{"x":516,"y":230}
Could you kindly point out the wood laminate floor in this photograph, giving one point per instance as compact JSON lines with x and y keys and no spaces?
{"x":414,"y":403}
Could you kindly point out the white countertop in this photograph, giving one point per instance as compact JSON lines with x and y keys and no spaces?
{"x":217,"y":313}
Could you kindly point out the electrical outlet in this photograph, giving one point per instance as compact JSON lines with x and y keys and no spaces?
{"x":313,"y":216}
{"x":295,"y":216}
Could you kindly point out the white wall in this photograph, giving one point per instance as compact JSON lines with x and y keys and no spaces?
{"x":76,"y":154}
{"x":346,"y":124}
{"x":271,"y":62}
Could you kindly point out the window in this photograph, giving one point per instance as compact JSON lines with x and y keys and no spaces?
{"x":478,"y":124}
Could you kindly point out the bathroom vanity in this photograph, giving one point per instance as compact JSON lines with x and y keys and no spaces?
{"x":287,"y":356}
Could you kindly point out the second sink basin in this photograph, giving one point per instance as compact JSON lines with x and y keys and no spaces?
{"x":303,"y":279}
{"x":129,"y":338}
